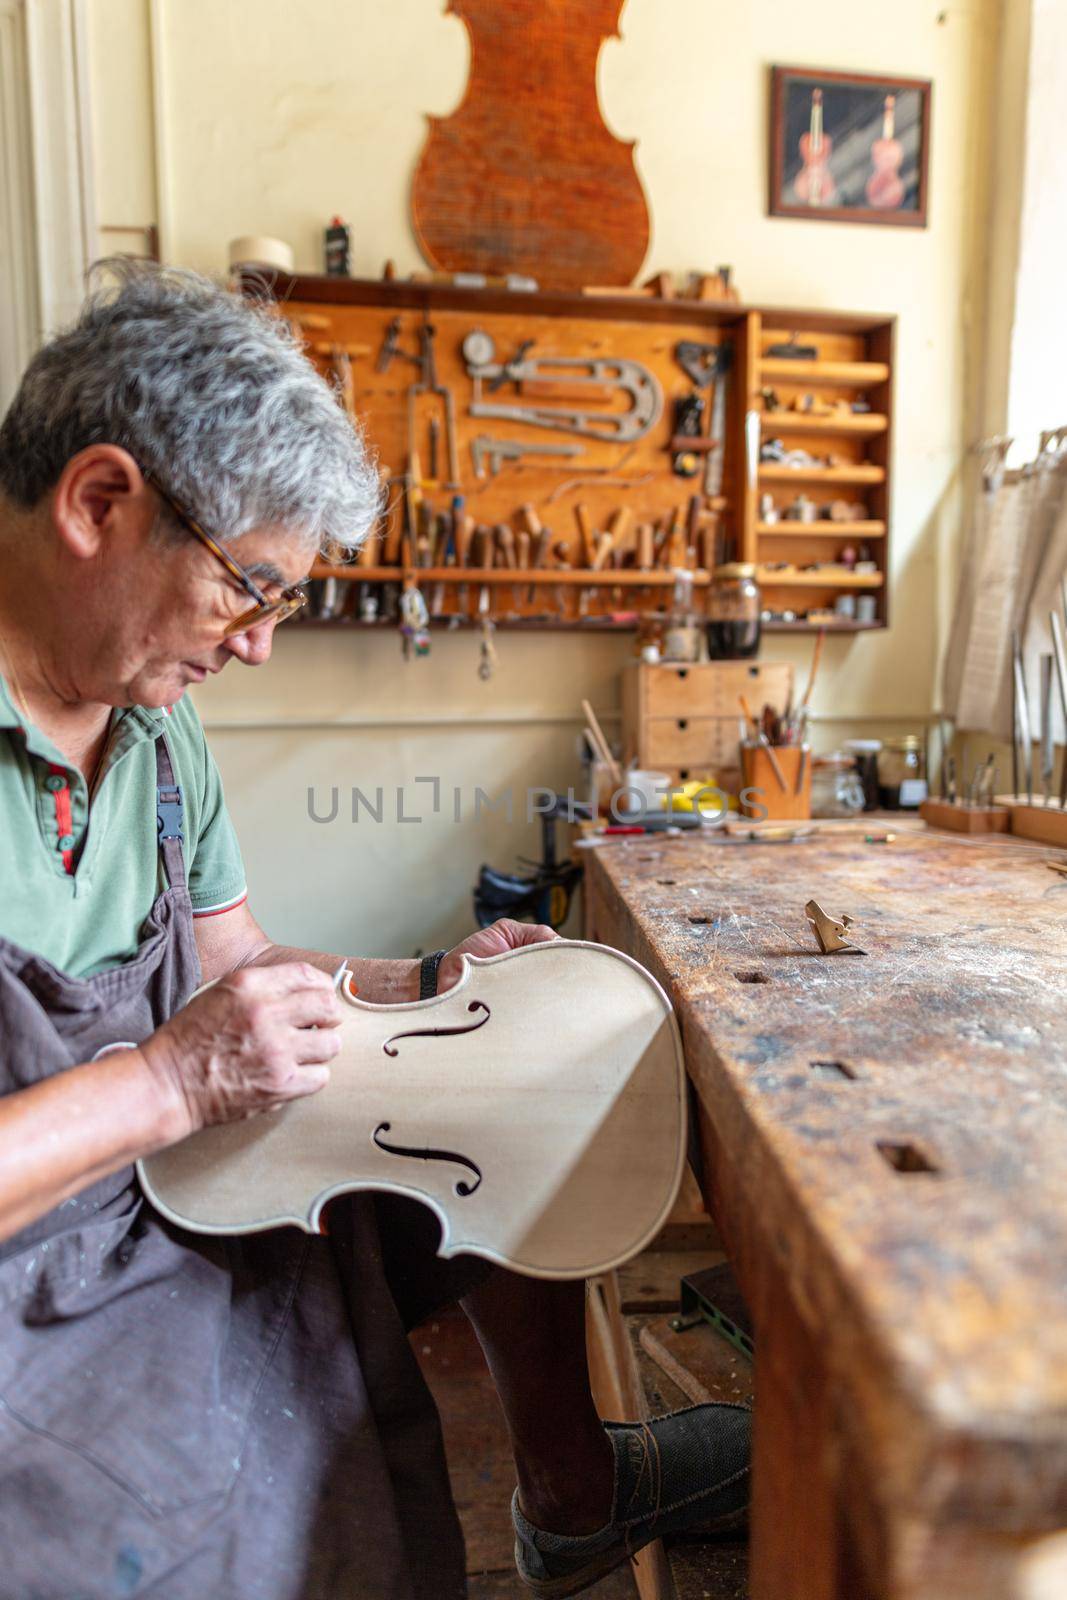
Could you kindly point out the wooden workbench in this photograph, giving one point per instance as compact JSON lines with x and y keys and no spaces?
{"x":884,"y":1150}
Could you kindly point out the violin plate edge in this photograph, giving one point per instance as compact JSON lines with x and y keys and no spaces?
{"x":472,"y":964}
{"x":310,"y":1222}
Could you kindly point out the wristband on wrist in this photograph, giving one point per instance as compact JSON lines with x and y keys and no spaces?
{"x":428,"y":974}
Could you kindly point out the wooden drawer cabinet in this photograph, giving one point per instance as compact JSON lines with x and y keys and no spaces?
{"x":679,"y":718}
{"x":673,"y":691}
{"x":683,"y":742}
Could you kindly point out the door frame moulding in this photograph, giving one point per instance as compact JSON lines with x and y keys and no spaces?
{"x":62,"y":155}
{"x":19,"y":309}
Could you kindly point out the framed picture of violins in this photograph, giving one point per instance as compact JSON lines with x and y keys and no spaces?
{"x":849,"y":147}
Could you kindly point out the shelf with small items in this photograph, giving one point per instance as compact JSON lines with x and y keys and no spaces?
{"x":861,"y":424}
{"x":850,"y":374}
{"x":796,"y":528}
{"x":586,"y":577}
{"x":830,"y":624}
{"x":819,"y":528}
{"x":833,"y":576}
{"x":851,"y":472}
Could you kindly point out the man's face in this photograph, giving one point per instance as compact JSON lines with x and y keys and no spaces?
{"x":152,"y":608}
{"x":177,"y":634}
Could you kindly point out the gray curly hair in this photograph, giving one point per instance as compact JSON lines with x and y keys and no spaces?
{"x":209,"y":393}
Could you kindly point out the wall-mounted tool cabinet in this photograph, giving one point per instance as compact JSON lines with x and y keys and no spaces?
{"x":553,"y":459}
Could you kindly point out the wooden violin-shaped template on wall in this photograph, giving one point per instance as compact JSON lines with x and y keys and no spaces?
{"x":538,"y":1107}
{"x":524,"y":176}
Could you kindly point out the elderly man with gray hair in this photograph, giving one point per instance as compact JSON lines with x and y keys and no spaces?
{"x":186,"y":1416}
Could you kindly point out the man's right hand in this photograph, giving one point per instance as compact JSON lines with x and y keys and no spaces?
{"x":258,"y":1037}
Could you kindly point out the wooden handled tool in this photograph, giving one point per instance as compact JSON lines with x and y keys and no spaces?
{"x":621,"y":528}
{"x":600,"y":744}
{"x":541,"y":543}
{"x":816,"y":658}
{"x":394,"y":527}
{"x":341,"y":362}
{"x":603,"y":552}
{"x":482,"y":556}
{"x":585,"y":529}
{"x":505,"y":543}
{"x":675,"y":547}
{"x":464,"y":536}
{"x":505,"y":539}
{"x":692,"y":528}
{"x":482,"y":546}
{"x":646,"y":554}
{"x":424,"y":536}
{"x":561,"y":554}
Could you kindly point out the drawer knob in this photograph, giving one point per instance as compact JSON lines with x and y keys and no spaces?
{"x":683,"y":722}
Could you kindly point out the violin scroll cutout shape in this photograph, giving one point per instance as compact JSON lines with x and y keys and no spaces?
{"x":439,"y":1033}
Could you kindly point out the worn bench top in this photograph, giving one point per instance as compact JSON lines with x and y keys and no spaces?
{"x":939,"y":1296}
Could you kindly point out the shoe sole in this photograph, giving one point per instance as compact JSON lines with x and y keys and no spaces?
{"x":574,"y":1582}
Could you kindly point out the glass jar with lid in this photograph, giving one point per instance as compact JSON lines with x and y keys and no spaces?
{"x":732,"y":612}
{"x":836,"y":786}
{"x":681,"y":634}
{"x":902,"y":773}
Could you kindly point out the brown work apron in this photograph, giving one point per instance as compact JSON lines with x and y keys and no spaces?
{"x":190,"y":1418}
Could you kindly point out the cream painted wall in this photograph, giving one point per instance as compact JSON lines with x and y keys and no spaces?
{"x":269,"y":120}
{"x":1038,"y":393}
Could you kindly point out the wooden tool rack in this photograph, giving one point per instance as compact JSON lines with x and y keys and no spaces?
{"x":609,"y":488}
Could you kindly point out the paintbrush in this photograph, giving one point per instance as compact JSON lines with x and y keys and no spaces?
{"x":601,"y":743}
{"x":743,"y":703}
{"x":819,"y":641}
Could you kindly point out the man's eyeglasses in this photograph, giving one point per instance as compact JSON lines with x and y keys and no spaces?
{"x":290,"y":600}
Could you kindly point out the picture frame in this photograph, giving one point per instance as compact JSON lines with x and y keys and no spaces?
{"x":849,"y":147}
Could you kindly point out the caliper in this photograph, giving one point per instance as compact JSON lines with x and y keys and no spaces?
{"x":595,"y":372}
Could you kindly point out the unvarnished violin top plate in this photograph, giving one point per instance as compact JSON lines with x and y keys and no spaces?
{"x":538,"y":1107}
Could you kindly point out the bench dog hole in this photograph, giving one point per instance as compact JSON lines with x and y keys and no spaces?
{"x":751,"y":977}
{"x":832,"y":1069}
{"x":906,"y":1158}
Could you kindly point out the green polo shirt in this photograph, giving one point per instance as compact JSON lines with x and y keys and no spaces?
{"x":76,"y":883}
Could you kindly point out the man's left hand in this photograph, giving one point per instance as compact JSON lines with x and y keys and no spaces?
{"x":505,"y":934}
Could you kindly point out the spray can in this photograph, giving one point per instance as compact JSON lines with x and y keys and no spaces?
{"x":336,"y":249}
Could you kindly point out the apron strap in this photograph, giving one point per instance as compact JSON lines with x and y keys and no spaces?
{"x":169,"y":816}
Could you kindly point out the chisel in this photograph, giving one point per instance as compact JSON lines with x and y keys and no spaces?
{"x":522,"y":560}
{"x":560,"y":551}
{"x":1061,"y":678}
{"x":1047,"y":755}
{"x":1022,"y":712}
{"x":505,"y":543}
{"x":645,"y":553}
{"x":464,"y":535}
{"x":540,"y":544}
